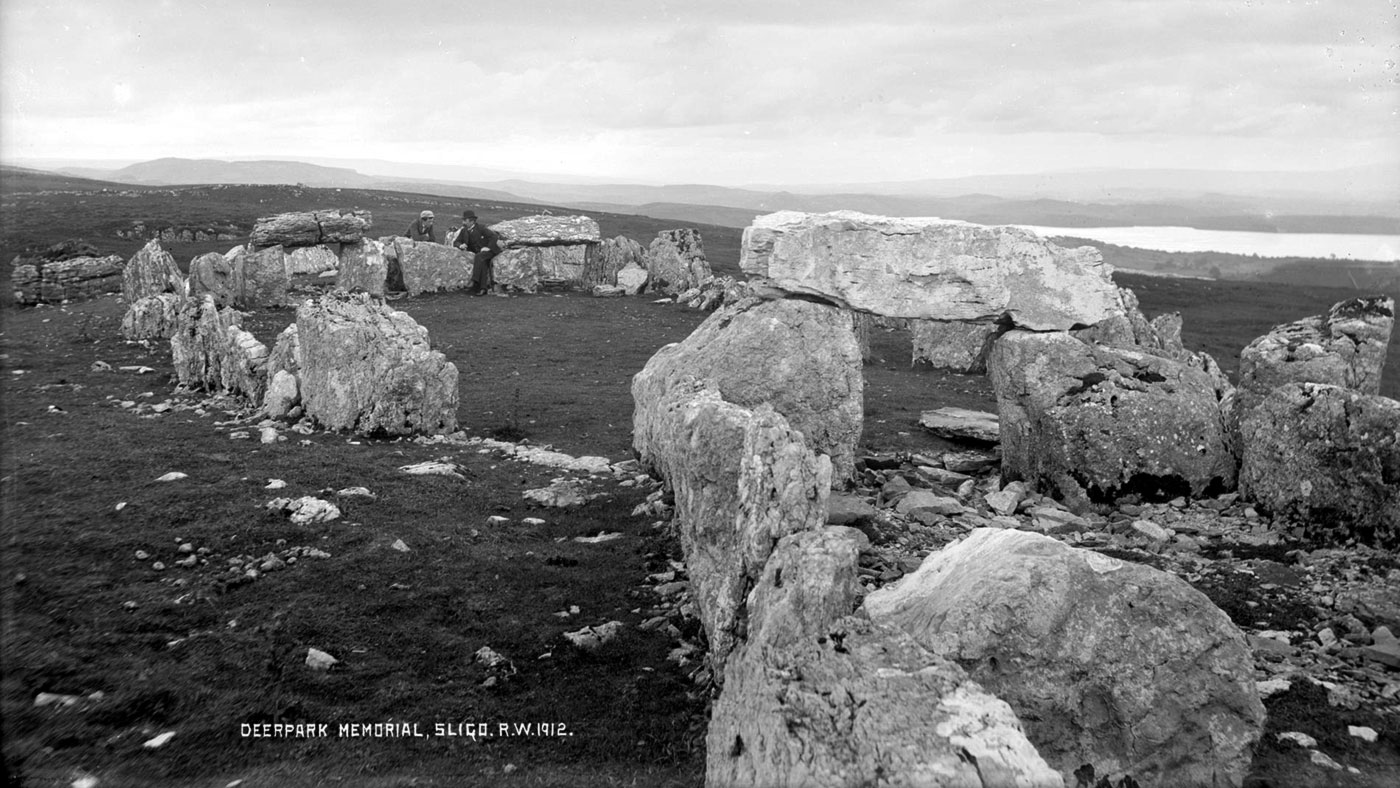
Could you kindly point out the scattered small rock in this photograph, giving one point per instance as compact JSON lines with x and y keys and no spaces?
{"x":317,"y":659}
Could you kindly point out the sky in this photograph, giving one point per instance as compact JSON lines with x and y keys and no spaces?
{"x":726,"y":92}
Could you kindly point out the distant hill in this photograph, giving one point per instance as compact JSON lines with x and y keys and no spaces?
{"x":178,"y":172}
{"x":15,"y":180}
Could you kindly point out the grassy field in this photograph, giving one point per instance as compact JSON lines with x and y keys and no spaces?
{"x":200,"y":652}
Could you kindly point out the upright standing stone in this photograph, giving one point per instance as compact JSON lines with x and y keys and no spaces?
{"x":211,"y":350}
{"x":151,"y":271}
{"x":1092,"y":422}
{"x":676,"y":261}
{"x":1114,"y":665}
{"x":213,"y":273}
{"x":363,"y":267}
{"x":798,"y":356}
{"x":368,"y":368}
{"x":931,"y":269}
{"x":1327,"y":457}
{"x":260,"y":278}
{"x":152,"y":317}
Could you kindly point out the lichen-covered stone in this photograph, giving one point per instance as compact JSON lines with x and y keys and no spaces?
{"x":1109,"y":664}
{"x":368,"y":368}
{"x":1093,"y":422}
{"x":152,"y":317}
{"x":1327,"y":457}
{"x":548,"y":230}
{"x":363,"y":267}
{"x":211,"y":351}
{"x":931,"y":269}
{"x":429,"y":267}
{"x":798,"y":356}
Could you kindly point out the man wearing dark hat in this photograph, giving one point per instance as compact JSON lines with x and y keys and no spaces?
{"x":422,"y":229}
{"x":484,"y":244}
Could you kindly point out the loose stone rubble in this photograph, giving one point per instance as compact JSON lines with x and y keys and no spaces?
{"x":931,"y":269}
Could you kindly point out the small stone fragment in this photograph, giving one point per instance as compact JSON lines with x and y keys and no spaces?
{"x":317,"y":659}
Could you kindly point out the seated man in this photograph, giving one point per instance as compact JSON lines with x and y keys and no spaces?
{"x":484,"y":244}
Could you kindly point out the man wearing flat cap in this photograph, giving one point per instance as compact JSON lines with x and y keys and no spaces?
{"x":422,"y":229}
{"x":483,"y":243}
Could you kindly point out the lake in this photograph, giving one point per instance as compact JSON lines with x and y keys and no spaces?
{"x":1189,"y":239}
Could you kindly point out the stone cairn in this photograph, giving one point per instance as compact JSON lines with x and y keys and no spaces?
{"x":1072,"y":663}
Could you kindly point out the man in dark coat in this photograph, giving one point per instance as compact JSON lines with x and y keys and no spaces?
{"x":422,"y":229}
{"x":484,"y":244}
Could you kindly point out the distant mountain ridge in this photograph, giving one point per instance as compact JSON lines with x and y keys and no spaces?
{"x":1260,"y":201}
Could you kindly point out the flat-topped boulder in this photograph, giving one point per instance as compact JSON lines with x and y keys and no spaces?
{"x":309,"y":228}
{"x":548,"y":230}
{"x":931,"y":269}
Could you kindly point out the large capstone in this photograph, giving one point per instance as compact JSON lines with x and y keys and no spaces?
{"x":1327,"y":457}
{"x":151,"y":271}
{"x":368,"y":368}
{"x":309,"y":228}
{"x":676,"y":261}
{"x":548,"y":230}
{"x":931,"y":269}
{"x":1112,"y":665}
{"x":742,"y":479}
{"x":801,"y":357}
{"x":1092,"y":423}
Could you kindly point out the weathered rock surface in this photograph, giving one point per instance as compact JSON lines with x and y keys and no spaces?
{"x":716,"y":292}
{"x":212,"y":273}
{"x":1345,"y":347}
{"x":1093,"y":422}
{"x":1111,"y":664}
{"x":311,"y":260}
{"x":548,"y":230}
{"x":742,"y":480}
{"x":799,"y":356}
{"x":428,"y":267}
{"x":676,"y":261}
{"x":283,"y":370}
{"x":50,"y":282}
{"x":1328,"y":457}
{"x":611,"y":256}
{"x":309,"y":228}
{"x":211,"y":350}
{"x":368,"y":368}
{"x":363,"y":267}
{"x":931,"y":269}
{"x":152,"y":317}
{"x":961,"y":423}
{"x":958,"y":347}
{"x":260,"y":278}
{"x":1131,"y":329}
{"x":525,"y":268}
{"x":862,"y":705}
{"x":632,"y":278}
{"x":151,"y":271}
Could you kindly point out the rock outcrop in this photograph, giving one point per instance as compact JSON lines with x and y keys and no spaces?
{"x":1092,"y":422}
{"x":742,"y":479}
{"x":310,"y":228}
{"x":1327,"y":457}
{"x":51,"y":282}
{"x":1111,"y":665}
{"x":363,"y":267}
{"x":152,"y":317}
{"x":798,"y":356}
{"x":211,"y":351}
{"x":931,"y":269}
{"x":1345,"y":347}
{"x":368,"y":368}
{"x":151,"y":271}
{"x":676,"y":261}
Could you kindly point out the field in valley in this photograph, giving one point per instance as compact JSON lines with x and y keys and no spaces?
{"x":136,"y":651}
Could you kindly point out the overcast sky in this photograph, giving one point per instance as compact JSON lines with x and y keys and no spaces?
{"x":725,"y":91}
